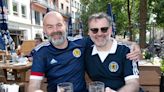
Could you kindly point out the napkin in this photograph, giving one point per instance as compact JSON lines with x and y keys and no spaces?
{"x":11,"y":88}
{"x":21,"y":61}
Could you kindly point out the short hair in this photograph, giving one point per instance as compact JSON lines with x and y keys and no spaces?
{"x":100,"y":16}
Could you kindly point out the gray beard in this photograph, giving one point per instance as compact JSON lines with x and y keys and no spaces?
{"x":59,"y":41}
{"x":56,"y":42}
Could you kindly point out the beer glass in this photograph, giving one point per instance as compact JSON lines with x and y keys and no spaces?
{"x":96,"y":86}
{"x":65,"y":87}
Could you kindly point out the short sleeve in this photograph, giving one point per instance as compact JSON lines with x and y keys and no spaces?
{"x":130,"y":69}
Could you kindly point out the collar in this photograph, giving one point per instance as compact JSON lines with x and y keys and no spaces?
{"x":111,"y":51}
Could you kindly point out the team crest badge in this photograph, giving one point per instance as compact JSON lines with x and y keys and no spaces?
{"x":76,"y":52}
{"x":113,"y":66}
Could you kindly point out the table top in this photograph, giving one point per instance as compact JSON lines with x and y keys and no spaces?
{"x":15,"y":66}
{"x":148,"y":64}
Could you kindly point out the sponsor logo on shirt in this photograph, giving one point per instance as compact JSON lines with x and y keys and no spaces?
{"x":53,"y":61}
{"x":113,"y":66}
{"x":76,"y":52}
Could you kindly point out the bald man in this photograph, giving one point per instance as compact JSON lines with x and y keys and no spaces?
{"x":59,"y":59}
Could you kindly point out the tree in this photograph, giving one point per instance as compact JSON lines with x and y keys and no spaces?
{"x":159,"y":10}
{"x":131,"y":15}
{"x":142,"y":21}
{"x":93,"y":6}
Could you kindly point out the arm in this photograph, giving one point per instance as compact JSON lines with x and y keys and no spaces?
{"x":135,"y":53}
{"x":130,"y":86}
{"x":34,"y":85}
{"x":131,"y":75}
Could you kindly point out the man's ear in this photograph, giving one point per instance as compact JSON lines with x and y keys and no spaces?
{"x":88,"y":31}
{"x":66,"y":24}
{"x":110,"y":29}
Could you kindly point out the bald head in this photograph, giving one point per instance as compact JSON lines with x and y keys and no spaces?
{"x":52,"y":15}
{"x":55,"y":27}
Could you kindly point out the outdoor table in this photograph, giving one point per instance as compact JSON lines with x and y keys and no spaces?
{"x":16,"y":69}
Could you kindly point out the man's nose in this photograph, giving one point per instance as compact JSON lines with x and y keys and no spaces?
{"x":99,"y":32}
{"x":54,"y":28}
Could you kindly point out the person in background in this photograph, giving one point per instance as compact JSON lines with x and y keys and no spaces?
{"x":38,"y":40}
{"x":59,"y":59}
{"x":19,"y":48}
{"x":77,"y":34}
{"x":106,"y":60}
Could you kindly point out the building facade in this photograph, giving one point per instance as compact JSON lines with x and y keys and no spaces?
{"x":76,"y":8}
{"x":25,"y":16}
{"x":19,"y":23}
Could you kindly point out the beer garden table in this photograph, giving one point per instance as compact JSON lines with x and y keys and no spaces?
{"x":19,"y":71}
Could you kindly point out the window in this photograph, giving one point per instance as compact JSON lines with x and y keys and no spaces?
{"x":75,"y":4}
{"x":72,"y":3}
{"x":67,"y":11}
{"x":37,"y":18}
{"x":72,"y":14}
{"x":62,"y":6}
{"x":6,"y":7}
{"x":54,"y":3}
{"x":23,"y":8}
{"x":76,"y":15}
{"x":15,"y":8}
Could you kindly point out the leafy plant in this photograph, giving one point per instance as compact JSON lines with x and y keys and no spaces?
{"x":162,"y":65}
{"x":147,"y":54}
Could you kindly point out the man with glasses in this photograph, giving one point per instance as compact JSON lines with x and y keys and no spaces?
{"x":106,"y":60}
{"x":59,"y":59}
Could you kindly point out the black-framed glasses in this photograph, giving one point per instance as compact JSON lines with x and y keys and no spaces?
{"x":103,"y":29}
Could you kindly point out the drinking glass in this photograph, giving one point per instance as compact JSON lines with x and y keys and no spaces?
{"x":96,"y":86}
{"x":65,"y":87}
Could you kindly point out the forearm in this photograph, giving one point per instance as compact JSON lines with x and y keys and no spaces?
{"x":130,"y":87}
{"x":34,"y":85}
{"x":129,"y":43}
{"x":135,"y":53}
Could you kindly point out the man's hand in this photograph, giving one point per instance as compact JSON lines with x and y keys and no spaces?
{"x":135,"y":53}
{"x":39,"y":91}
{"x":108,"y":89}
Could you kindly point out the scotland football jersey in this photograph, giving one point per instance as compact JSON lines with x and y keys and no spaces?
{"x":110,"y":67}
{"x":60,"y":65}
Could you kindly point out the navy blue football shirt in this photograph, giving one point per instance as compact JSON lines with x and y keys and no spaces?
{"x":110,"y":67}
{"x":60,"y":65}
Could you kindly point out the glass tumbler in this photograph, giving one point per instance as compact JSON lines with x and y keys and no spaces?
{"x":96,"y":86}
{"x":65,"y":87}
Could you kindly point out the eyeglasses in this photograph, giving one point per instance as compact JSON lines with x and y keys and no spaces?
{"x":103,"y":30}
